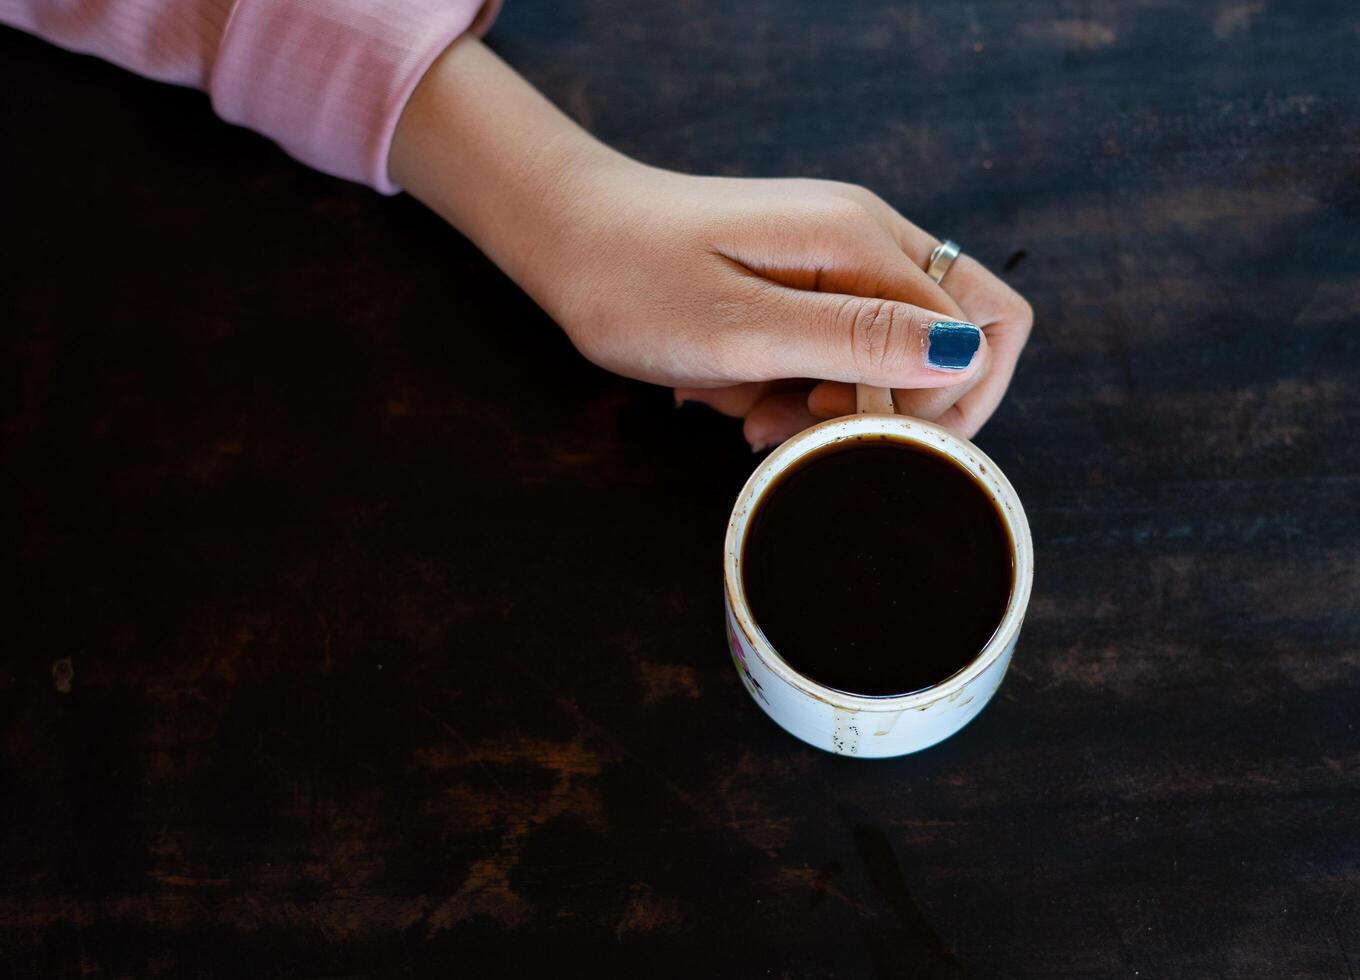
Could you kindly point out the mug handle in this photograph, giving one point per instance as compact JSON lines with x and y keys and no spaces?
{"x":873,"y":401}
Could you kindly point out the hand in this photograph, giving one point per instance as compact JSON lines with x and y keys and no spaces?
{"x":737,"y":291}
{"x":734,"y":291}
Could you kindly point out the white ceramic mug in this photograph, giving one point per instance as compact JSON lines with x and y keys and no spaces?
{"x":858,"y":725}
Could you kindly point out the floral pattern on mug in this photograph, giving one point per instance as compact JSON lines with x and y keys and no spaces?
{"x":737,"y":644}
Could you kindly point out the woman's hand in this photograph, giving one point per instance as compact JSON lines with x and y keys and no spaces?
{"x":766,"y":299}
{"x":738,"y":291}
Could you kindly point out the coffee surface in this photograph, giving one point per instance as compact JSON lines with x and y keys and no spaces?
{"x":877,"y":567}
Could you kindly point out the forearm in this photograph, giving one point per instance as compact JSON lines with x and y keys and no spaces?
{"x":482,"y":148}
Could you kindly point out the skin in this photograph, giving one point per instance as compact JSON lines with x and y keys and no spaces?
{"x":766,"y":299}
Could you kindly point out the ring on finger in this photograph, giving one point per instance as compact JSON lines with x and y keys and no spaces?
{"x":941,"y":259}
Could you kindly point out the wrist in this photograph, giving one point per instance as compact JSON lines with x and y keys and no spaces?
{"x":543,"y":212}
{"x":481,"y":147}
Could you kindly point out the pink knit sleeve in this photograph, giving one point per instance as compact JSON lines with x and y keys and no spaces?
{"x":326,"y":79}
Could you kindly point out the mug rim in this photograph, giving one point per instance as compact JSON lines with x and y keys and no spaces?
{"x":984,"y":473}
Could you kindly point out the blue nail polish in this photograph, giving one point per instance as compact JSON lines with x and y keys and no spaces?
{"x":952,"y":345}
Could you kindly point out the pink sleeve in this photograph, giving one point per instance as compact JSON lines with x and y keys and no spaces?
{"x":326,"y":79}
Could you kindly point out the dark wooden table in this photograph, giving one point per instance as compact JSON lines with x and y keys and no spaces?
{"x":354,"y":626}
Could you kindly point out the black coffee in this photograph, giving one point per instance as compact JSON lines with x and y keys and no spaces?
{"x":877,"y":567}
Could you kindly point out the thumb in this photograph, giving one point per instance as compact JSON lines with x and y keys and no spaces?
{"x":879,"y":342}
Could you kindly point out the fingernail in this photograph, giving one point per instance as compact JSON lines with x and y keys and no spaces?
{"x":952,"y":345}
{"x":760,"y":447}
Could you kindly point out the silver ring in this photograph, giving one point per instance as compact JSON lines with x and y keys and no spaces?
{"x":941,"y":259}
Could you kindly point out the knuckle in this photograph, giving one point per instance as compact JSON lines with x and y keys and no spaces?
{"x":877,"y":329}
{"x":968,"y":425}
{"x":846,"y":212}
{"x":1023,"y":316}
{"x":1016,"y":309}
{"x":856,"y":193}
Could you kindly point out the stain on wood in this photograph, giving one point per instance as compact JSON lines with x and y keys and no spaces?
{"x":324,"y":658}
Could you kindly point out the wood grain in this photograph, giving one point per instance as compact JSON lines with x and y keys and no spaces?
{"x":322,"y":658}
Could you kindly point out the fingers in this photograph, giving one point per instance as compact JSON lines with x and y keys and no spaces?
{"x":832,"y":398}
{"x":868,"y":264}
{"x":963,"y":409}
{"x":734,"y":400}
{"x":773,"y":410}
{"x":875,"y":265}
{"x":876,"y":341}
{"x":1004,"y":316}
{"x":932,"y":404}
{"x":1007,"y":320}
{"x":856,"y":305}
{"x":777,"y":416}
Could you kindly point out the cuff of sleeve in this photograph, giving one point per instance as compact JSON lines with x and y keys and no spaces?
{"x":328,"y":79}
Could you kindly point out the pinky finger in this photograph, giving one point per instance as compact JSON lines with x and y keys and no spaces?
{"x":734,"y":400}
{"x":777,"y":416}
{"x":831,"y":399}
